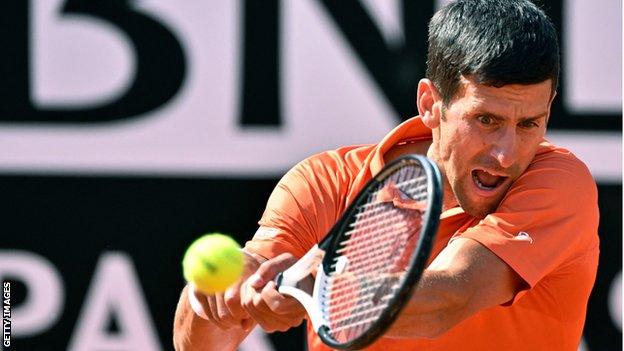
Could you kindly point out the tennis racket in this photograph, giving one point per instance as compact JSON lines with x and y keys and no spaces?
{"x":370,"y":261}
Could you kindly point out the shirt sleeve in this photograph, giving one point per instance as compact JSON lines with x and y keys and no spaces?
{"x":302,"y":208}
{"x":547,"y":220}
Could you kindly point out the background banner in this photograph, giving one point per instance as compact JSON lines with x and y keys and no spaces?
{"x":129,"y":128}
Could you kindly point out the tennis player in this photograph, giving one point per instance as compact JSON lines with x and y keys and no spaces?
{"x":517,"y":249}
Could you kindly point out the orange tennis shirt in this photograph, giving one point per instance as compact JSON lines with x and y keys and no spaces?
{"x":545,"y":228}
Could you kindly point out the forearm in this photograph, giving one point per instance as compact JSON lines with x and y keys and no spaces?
{"x":434,"y":307}
{"x":464,"y":278}
{"x":193,"y":333}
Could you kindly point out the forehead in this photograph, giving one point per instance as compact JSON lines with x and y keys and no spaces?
{"x":522,"y":98}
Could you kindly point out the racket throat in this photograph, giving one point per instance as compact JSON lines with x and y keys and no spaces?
{"x":295,"y":282}
{"x":305,"y":266}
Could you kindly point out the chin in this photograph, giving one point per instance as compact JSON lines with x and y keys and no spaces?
{"x":476,"y":204}
{"x":476,"y":209}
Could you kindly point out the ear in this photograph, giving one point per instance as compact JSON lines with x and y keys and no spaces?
{"x":426,"y":101}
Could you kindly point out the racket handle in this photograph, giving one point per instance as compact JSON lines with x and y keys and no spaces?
{"x":278,"y":280}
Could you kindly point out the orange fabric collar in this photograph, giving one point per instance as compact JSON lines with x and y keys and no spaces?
{"x":411,"y":130}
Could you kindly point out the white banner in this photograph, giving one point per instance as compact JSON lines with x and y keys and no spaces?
{"x":328,"y":98}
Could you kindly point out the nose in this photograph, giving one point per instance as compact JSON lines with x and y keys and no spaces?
{"x":504,"y":148}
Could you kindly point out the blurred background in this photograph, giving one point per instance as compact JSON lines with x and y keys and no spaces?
{"x":129,"y":128}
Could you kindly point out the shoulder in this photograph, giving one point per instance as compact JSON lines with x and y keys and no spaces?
{"x":555,"y":176}
{"x":337,"y":166}
{"x":306,"y":202}
{"x":548,"y":219}
{"x":559,"y":159}
{"x":556,"y":196}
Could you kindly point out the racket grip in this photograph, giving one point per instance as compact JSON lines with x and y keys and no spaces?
{"x":278,"y":280}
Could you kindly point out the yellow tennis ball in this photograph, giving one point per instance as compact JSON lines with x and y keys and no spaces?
{"x":213,"y":262}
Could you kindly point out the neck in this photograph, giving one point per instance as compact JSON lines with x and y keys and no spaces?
{"x":448,"y":201}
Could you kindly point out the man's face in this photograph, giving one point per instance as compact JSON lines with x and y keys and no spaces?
{"x":486,"y":138}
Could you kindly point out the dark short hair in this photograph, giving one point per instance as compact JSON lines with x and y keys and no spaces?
{"x":495,"y":42}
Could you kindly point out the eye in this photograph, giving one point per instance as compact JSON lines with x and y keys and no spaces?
{"x":529,"y":124}
{"x":486,"y":120}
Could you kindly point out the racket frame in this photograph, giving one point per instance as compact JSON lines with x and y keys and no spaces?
{"x":287,"y":281}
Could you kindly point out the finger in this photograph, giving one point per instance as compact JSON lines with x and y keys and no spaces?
{"x":214,"y":312}
{"x":225,"y":317}
{"x":257,"y":311}
{"x":288,"y":311}
{"x":270,"y":323}
{"x":201,"y":299}
{"x":276,"y":326}
{"x":269,"y":269}
{"x":247,"y":324}
{"x":278,"y":303}
{"x":232,"y":302}
{"x":208,"y":307}
{"x":266,"y":318}
{"x":252,"y":262}
{"x":195,"y":302}
{"x":249,"y":297}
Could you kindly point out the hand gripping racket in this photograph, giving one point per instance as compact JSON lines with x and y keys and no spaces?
{"x":370,"y":261}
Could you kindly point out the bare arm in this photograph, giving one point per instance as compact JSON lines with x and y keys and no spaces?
{"x":465,"y":278}
{"x":191,"y":332}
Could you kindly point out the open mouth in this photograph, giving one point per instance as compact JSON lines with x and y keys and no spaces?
{"x":486,"y":180}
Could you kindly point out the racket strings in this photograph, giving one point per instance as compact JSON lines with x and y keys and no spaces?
{"x":370,"y":215}
{"x":338,"y":289}
{"x":358,"y":294}
{"x":346,"y":295}
{"x":348,"y":319}
{"x":362,"y":265}
{"x":393,"y":223}
{"x":342,"y":317}
{"x":374,"y":261}
{"x":359,"y":323}
{"x":366,"y":211}
{"x":417,"y":192}
{"x":379,"y":218}
{"x":404,"y":184}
